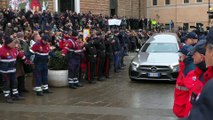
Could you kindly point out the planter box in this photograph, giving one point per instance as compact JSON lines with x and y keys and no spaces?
{"x":58,"y":78}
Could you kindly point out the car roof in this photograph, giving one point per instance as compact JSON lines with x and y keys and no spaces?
{"x":163,"y":38}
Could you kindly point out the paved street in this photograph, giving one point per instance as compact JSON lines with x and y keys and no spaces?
{"x":113,"y":99}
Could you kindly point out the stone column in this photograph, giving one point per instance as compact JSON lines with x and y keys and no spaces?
{"x":77,"y":6}
{"x":56,"y":5}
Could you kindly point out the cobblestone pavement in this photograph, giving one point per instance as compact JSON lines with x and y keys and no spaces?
{"x":113,"y":99}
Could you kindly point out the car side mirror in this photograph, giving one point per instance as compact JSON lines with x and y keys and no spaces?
{"x":137,"y":50}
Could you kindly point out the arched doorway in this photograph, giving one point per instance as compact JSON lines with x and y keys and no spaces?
{"x":64,"y":5}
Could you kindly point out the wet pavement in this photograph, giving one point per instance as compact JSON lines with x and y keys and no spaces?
{"x":113,"y":99}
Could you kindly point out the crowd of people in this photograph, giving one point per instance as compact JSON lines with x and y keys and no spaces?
{"x":27,"y":40}
{"x":193,"y":90}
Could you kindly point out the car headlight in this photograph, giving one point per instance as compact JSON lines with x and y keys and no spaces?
{"x":135,"y":65}
{"x":175,"y":68}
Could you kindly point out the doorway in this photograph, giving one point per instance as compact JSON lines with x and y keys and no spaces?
{"x":64,"y":5}
{"x":113,"y":7}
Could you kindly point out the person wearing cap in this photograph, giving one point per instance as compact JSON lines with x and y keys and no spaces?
{"x":72,"y":49}
{"x":191,"y":38}
{"x":122,"y":44}
{"x":8,"y":57}
{"x":181,"y":92}
{"x":202,"y":107}
{"x":41,"y":50}
{"x":117,"y":52}
{"x":91,"y":55}
{"x":101,"y":56}
{"x":194,"y":80}
{"x":83,"y":61}
{"x":109,"y":54}
{"x":186,"y":58}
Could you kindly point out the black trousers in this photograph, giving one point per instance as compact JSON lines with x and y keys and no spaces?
{"x":108,"y":61}
{"x":73,"y":71}
{"x":21,"y":83}
{"x":9,"y":84}
{"x":91,"y":70}
{"x":100,"y":66}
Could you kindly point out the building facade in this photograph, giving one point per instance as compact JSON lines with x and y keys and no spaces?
{"x":182,"y":12}
{"x":129,"y":8}
{"x":132,"y":8}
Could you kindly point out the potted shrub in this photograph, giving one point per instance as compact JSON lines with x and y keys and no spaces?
{"x":58,"y":71}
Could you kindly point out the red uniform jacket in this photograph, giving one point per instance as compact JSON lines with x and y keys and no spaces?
{"x":83,"y":57}
{"x":71,"y":45}
{"x":181,"y":94}
{"x":194,"y":85}
{"x":61,"y":43}
{"x":41,"y":52}
{"x":8,"y":58}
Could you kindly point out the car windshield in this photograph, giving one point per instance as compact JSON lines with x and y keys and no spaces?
{"x":160,"y":47}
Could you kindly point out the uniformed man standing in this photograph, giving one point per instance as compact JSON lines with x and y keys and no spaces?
{"x":109,"y":54}
{"x":91,"y":54}
{"x":100,"y":46}
{"x":8,"y":56}
{"x":73,"y":51}
{"x":117,"y":52}
{"x":41,"y":50}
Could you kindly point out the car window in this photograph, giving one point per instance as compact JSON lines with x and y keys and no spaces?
{"x":160,"y":47}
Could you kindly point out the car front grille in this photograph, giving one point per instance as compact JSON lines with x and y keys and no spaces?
{"x":153,"y":68}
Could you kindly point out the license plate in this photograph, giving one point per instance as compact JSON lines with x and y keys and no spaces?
{"x":154,"y":74}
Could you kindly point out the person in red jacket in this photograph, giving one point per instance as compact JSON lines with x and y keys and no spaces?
{"x":73,"y":50}
{"x":41,"y":50}
{"x":202,"y":107}
{"x":83,"y":62}
{"x":194,"y":81}
{"x":61,"y":42}
{"x":8,"y":56}
{"x":181,"y":92}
